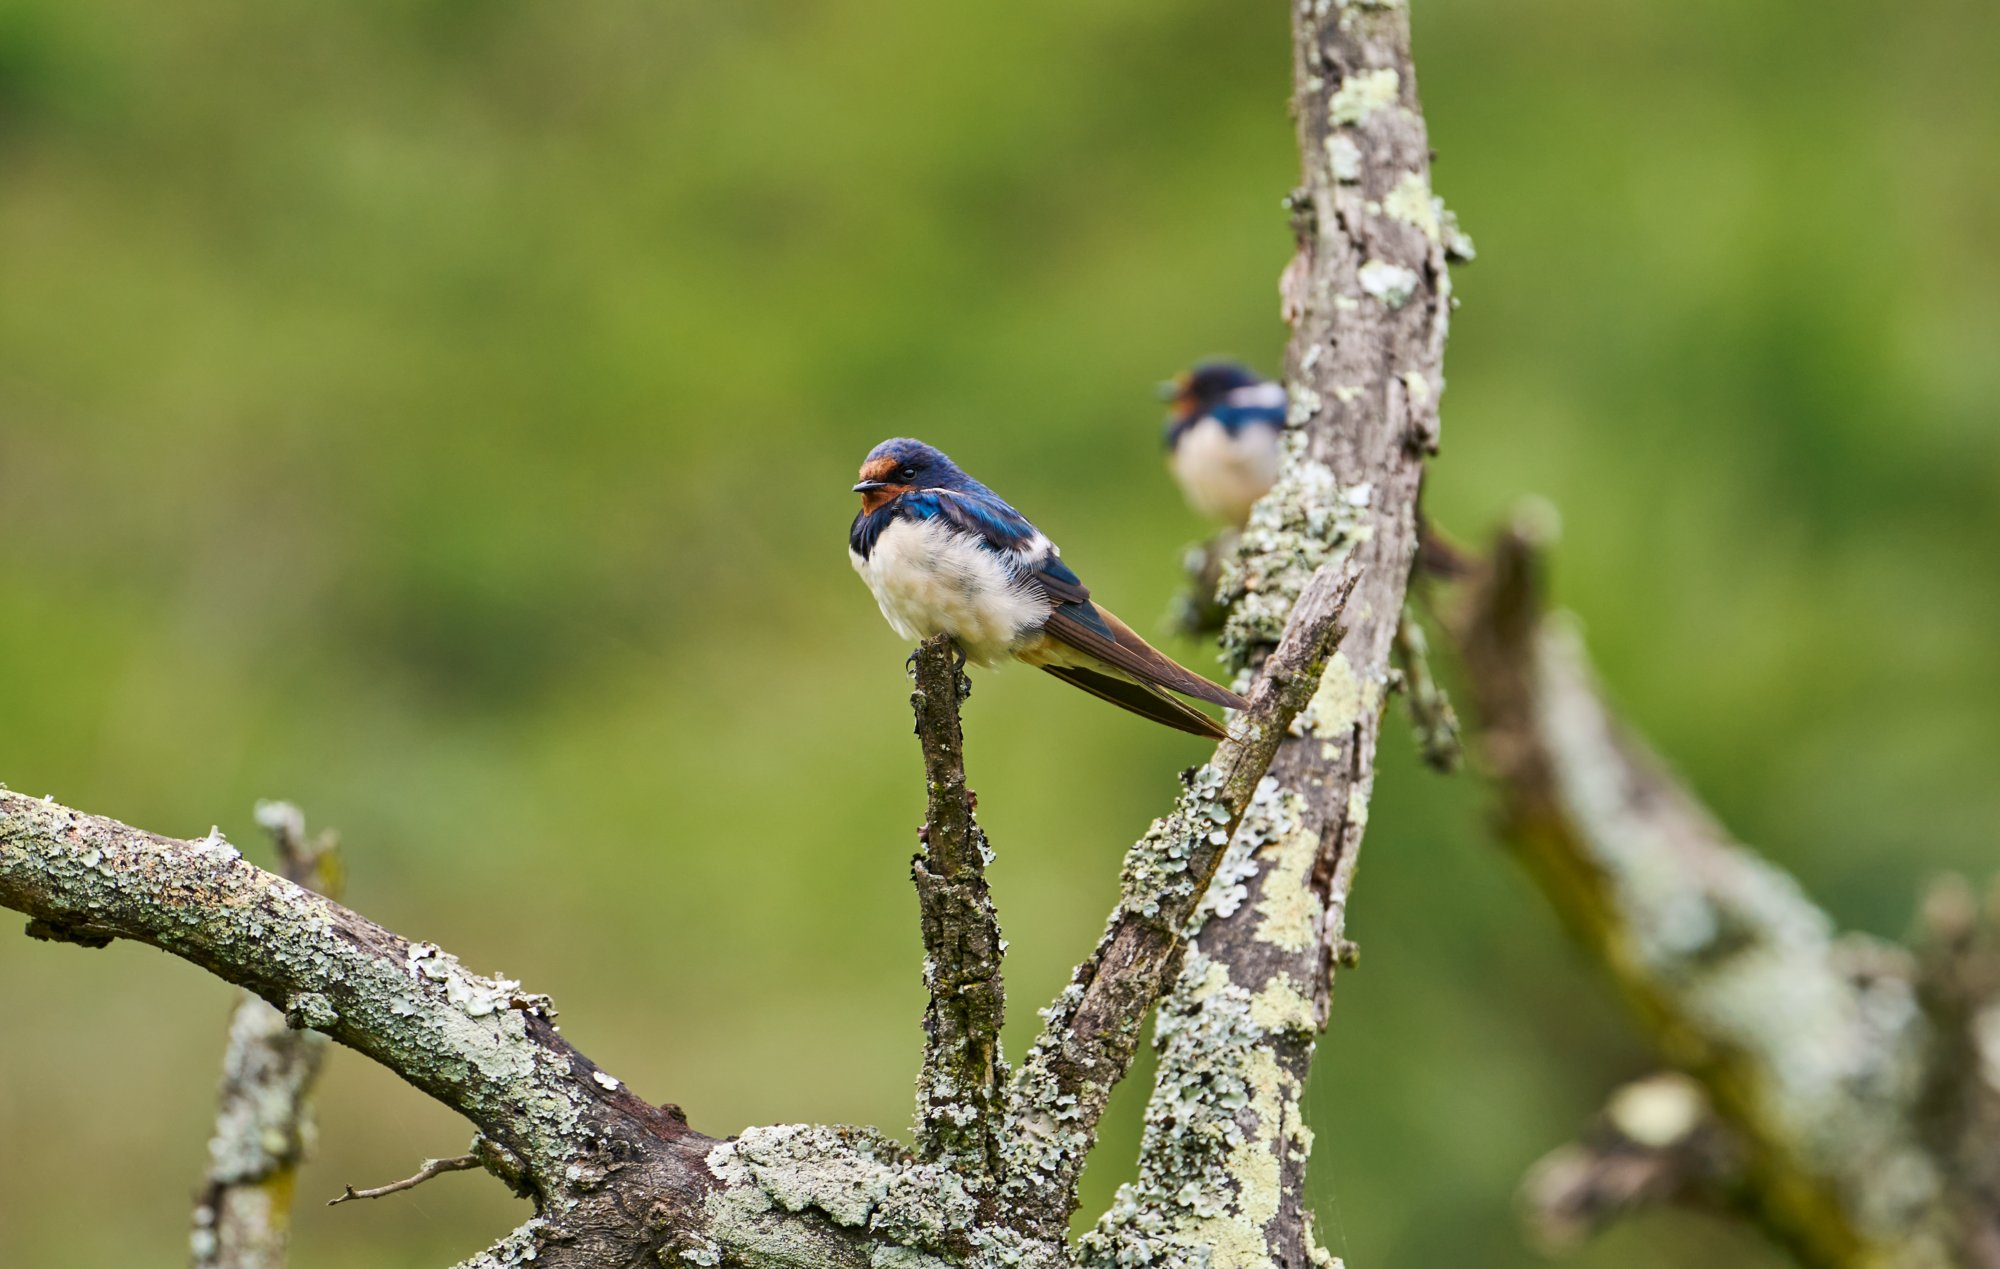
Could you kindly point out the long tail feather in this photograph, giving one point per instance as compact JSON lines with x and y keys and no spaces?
{"x":1142,"y":699}
{"x":1125,"y":651}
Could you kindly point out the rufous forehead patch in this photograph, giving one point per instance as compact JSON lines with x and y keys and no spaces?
{"x":877,"y":468}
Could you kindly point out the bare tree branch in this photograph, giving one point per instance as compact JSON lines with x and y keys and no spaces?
{"x":1092,"y":1029}
{"x":481,"y":1046}
{"x":958,"y":1093}
{"x":1814,"y":1054}
{"x":263,"y":1119}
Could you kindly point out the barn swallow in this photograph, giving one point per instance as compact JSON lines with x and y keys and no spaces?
{"x":944,"y":554}
{"x":1222,"y":438}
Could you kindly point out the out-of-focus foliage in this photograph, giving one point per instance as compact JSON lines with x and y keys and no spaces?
{"x":441,"y":414}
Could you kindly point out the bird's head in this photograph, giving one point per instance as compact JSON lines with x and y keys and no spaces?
{"x":895,"y":467}
{"x":1195,"y":392}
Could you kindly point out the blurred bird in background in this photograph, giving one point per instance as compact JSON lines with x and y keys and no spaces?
{"x":944,"y":555}
{"x":1222,"y":438}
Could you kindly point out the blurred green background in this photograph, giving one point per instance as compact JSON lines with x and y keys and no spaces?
{"x":442,"y":414}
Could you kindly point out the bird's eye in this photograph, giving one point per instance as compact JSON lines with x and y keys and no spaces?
{"x":908,"y":473}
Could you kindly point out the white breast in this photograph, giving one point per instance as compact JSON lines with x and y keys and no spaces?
{"x":930,"y":580}
{"x":1223,"y":475}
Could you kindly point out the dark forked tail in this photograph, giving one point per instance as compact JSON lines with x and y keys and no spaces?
{"x":1142,"y":699}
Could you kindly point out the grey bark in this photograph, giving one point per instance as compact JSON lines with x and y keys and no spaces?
{"x":263,"y":1118}
{"x":958,"y":1091}
{"x":1858,"y":1084}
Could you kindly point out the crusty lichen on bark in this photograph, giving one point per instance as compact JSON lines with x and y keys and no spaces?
{"x":1814,"y":1058}
{"x":958,"y":1088}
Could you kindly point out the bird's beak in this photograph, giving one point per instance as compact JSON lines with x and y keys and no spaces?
{"x":870,"y":486}
{"x":1169,"y":389}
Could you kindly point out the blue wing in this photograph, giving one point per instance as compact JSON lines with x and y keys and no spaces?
{"x":1009,"y":534}
{"x":1073,"y":619}
{"x":1234,"y":418}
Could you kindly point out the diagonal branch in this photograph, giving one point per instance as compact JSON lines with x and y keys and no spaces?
{"x":959,"y":1089}
{"x":479,"y":1045}
{"x":1813,"y":1054}
{"x":1092,"y":1029}
{"x":263,"y":1118}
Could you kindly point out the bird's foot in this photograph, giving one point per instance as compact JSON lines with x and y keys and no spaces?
{"x":964,"y":679}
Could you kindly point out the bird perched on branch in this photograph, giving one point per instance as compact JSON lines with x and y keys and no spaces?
{"x":1222,"y":438}
{"x":944,"y":555}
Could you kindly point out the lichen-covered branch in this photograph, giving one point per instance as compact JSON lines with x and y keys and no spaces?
{"x":1222,"y":1163}
{"x":481,"y":1046}
{"x":958,"y":1112}
{"x":1811,"y":1048}
{"x":1092,"y":1029}
{"x":263,"y":1119}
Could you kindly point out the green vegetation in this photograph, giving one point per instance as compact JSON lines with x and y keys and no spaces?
{"x":442,"y":415}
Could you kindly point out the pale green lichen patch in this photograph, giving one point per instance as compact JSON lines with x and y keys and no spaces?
{"x":1229,"y":888}
{"x":1212,"y":1162}
{"x":1390,"y":283}
{"x":1156,"y":872}
{"x":1304,"y":522}
{"x":1043,"y":1138}
{"x":1361,"y":95}
{"x":894,"y":1256}
{"x":1411,"y":202}
{"x":1288,"y":909}
{"x":854,"y":1177}
{"x":1281,"y":1008}
{"x":1342,"y":700}
{"x":476,"y":995}
{"x":1343,"y":157}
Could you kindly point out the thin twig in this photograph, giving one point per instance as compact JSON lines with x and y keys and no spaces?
{"x":431,"y":1168}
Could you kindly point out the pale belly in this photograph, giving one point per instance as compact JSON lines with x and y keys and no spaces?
{"x":1224,"y":476}
{"x":929,"y":581}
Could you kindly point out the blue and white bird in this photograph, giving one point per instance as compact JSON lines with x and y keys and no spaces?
{"x":1222,"y":438}
{"x":944,"y":555}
